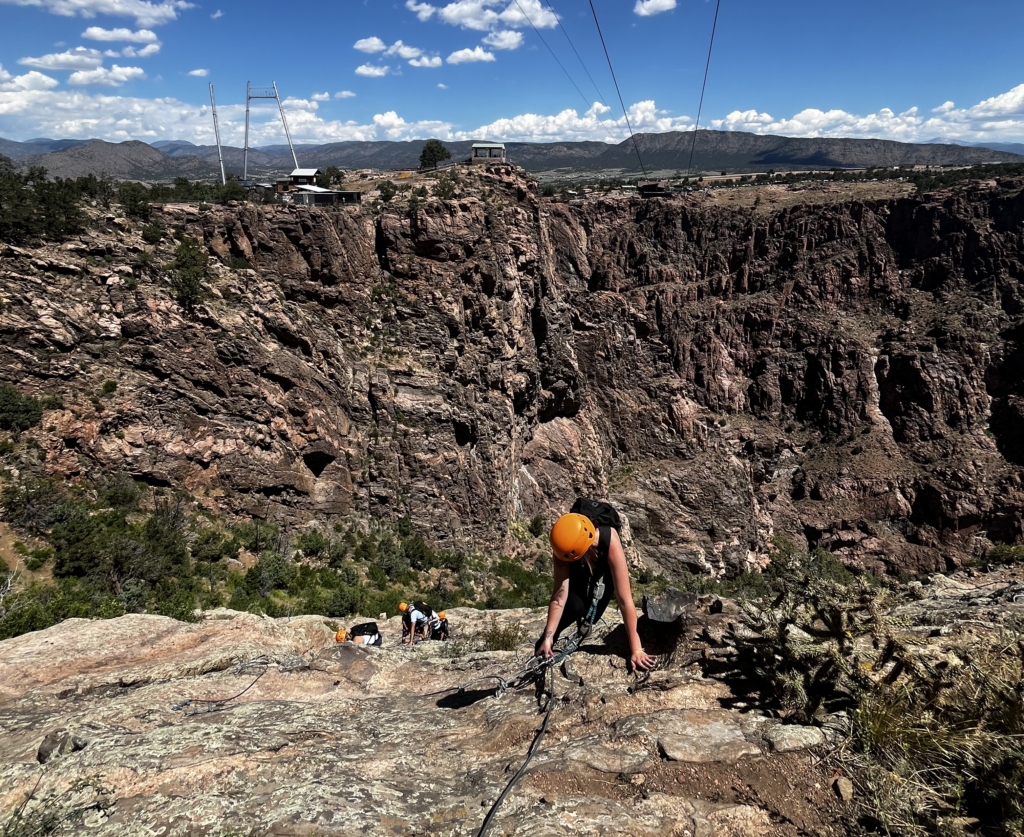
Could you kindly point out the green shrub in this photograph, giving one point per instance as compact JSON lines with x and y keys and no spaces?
{"x":1005,"y":554}
{"x":256,"y":536}
{"x":188,"y":273}
{"x":528,"y":588}
{"x":238,"y":263}
{"x":536,"y":527}
{"x":152,"y":233}
{"x":210,"y":546}
{"x":109,"y":387}
{"x":37,"y":559}
{"x":313,"y":544}
{"x":390,"y":557}
{"x":18,"y":412}
{"x":496,"y":637}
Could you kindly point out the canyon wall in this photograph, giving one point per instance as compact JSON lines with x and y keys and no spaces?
{"x":848,"y":376}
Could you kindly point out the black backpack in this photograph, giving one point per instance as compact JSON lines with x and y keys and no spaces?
{"x":366,"y":629}
{"x":423,"y":608}
{"x":599,"y":513}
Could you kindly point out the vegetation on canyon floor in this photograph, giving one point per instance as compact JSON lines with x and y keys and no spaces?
{"x":113,"y":547}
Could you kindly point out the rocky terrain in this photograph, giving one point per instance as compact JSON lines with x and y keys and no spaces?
{"x":246,"y":725}
{"x":847,"y":377}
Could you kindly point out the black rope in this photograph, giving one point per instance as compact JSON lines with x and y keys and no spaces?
{"x":615,"y":80}
{"x":578,"y":57}
{"x":529,"y":755}
{"x":535,"y":29}
{"x":214,"y":705}
{"x":707,"y":66}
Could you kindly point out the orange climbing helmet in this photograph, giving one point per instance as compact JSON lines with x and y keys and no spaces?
{"x":571,"y":536}
{"x":342,"y":635}
{"x":442,"y":615}
{"x":403,"y":607}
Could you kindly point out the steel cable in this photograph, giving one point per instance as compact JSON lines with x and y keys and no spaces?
{"x":707,"y":66}
{"x":617,"y":91}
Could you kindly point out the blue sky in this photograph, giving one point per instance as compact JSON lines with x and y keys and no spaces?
{"x":402,"y":69}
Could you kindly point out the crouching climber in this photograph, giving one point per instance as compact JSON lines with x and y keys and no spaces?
{"x":362,"y":634}
{"x":590,"y":565}
{"x":417,"y":621}
{"x":439,"y":628}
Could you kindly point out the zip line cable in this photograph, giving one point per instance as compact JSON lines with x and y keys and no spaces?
{"x":612,"y":69}
{"x":707,"y":66}
{"x":578,"y":57}
{"x":535,"y":29}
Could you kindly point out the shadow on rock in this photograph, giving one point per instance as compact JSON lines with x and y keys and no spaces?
{"x":460,"y":700}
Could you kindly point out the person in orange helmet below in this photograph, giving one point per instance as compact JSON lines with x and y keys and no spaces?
{"x":417,"y":621}
{"x":439,"y":630}
{"x":590,"y":563}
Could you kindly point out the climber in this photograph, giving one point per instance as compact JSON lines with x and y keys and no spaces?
{"x":439,"y":629}
{"x":590,"y":563}
{"x":362,"y":634}
{"x":417,"y":620}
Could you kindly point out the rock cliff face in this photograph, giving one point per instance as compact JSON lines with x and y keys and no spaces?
{"x":849,"y":376}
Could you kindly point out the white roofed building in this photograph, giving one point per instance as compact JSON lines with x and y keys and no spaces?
{"x":488,"y":152}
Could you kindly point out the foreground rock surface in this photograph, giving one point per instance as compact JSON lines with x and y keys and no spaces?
{"x":338,"y":739}
{"x":241,"y":724}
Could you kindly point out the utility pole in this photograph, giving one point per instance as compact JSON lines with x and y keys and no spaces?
{"x":245,"y":158}
{"x":216,"y":131}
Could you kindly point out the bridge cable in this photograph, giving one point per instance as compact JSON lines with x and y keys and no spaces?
{"x":578,"y":57}
{"x":612,"y":69}
{"x":693,"y":145}
{"x":572,"y":81}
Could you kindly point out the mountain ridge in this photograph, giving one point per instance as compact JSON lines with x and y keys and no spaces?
{"x":732,"y":151}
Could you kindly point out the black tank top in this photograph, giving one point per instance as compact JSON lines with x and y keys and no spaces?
{"x":580,"y":579}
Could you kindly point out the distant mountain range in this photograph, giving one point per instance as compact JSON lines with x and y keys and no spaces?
{"x":1012,"y":147}
{"x":714,"y":151}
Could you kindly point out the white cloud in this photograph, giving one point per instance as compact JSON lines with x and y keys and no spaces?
{"x":1000,"y":118}
{"x":145,"y":13}
{"x":98,"y":33}
{"x":199,"y":73}
{"x":373,"y":44}
{"x":372,"y":71}
{"x":321,"y":97}
{"x":467,"y":56}
{"x":344,"y":94}
{"x":30,"y":81}
{"x":300,"y":104}
{"x":111,"y":53}
{"x":33,"y":105}
{"x":217,"y":14}
{"x":540,"y":15}
{"x":487,"y":15}
{"x":505,"y":39}
{"x":427,"y":61}
{"x":403,"y":50}
{"x":103,"y":77}
{"x":79,"y":58}
{"x":442,"y":86}
{"x":423,"y":11}
{"x":131,"y":52}
{"x":569,"y":125}
{"x":646,"y":8}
